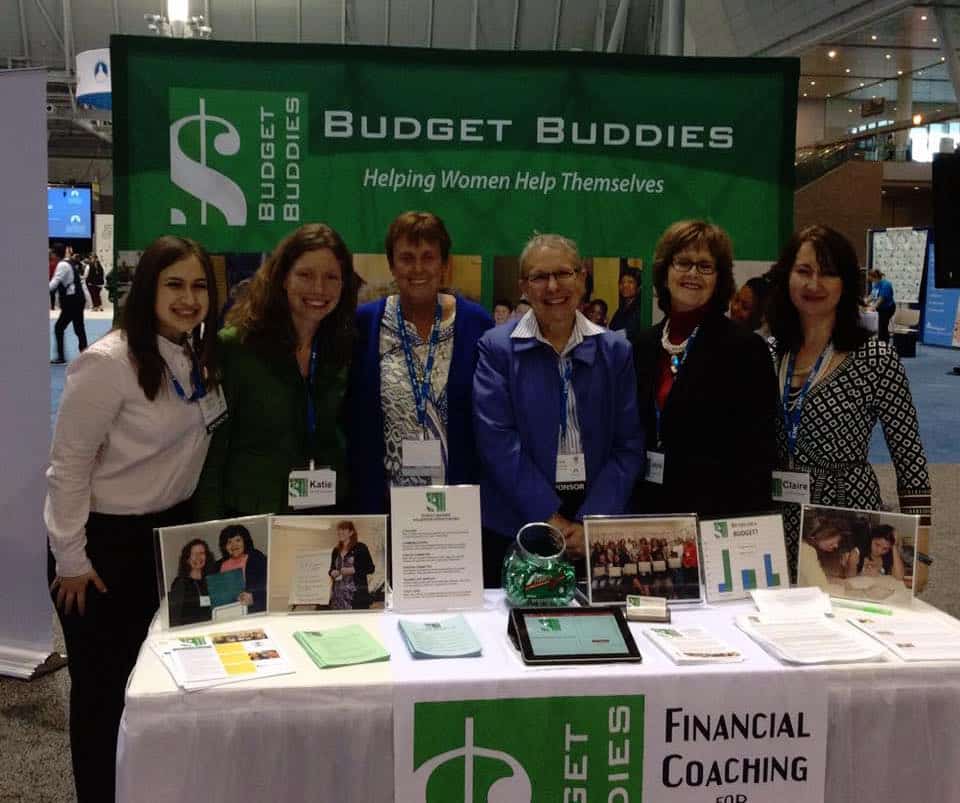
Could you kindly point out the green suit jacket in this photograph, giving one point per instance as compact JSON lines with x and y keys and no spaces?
{"x":265,"y":436}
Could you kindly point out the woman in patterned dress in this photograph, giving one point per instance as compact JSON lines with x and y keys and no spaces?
{"x":836,"y":382}
{"x":412,"y":373}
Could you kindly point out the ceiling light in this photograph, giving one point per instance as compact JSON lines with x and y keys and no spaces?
{"x":943,"y":58}
{"x":919,"y":72}
{"x":916,"y":188}
{"x":828,"y":94}
{"x":873,"y":37}
{"x":934,"y":40}
{"x":813,"y":83}
{"x":850,"y":111}
{"x":831,"y":54}
{"x":917,"y":119}
{"x":923,"y":17}
{"x":887,"y":56}
{"x":847,"y":70}
{"x":862,"y":84}
{"x":899,"y":72}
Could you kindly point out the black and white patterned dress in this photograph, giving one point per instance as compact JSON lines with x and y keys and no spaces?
{"x":833,"y":441}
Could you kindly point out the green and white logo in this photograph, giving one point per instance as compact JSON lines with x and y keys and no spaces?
{"x":720,"y":529}
{"x":777,"y":490}
{"x":436,"y":501}
{"x":298,"y":487}
{"x":236,"y":156}
{"x":555,"y":748}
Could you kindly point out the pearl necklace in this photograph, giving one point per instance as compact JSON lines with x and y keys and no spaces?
{"x":675,"y":350}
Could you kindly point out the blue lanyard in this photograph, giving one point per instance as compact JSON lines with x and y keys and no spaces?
{"x":199,"y":391}
{"x":565,"y":394}
{"x":421,"y":390}
{"x":791,"y":416}
{"x":676,"y":362}
{"x":311,"y":378}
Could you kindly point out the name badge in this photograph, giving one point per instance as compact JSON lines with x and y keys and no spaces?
{"x":655,"y":464}
{"x":317,"y":488}
{"x":791,"y":486}
{"x":213,"y":408}
{"x":571,"y":468}
{"x":422,"y":457}
{"x":204,"y":601}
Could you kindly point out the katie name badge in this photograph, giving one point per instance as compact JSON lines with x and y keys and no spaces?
{"x":654,"y":470}
{"x":213,"y":408}
{"x":422,"y":457}
{"x":317,"y":488}
{"x":571,"y":468}
{"x":791,"y":486}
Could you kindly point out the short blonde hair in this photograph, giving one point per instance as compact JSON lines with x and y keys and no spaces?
{"x":555,"y":242}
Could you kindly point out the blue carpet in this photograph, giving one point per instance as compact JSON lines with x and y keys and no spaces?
{"x":935,"y":394}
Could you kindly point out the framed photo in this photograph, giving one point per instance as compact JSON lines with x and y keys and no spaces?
{"x":327,"y":563}
{"x":214,"y":571}
{"x":741,"y":554}
{"x":858,"y":554}
{"x":649,"y":555}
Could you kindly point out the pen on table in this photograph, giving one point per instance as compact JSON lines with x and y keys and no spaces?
{"x":856,"y":606}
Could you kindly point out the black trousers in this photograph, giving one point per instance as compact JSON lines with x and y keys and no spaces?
{"x":71,"y":312}
{"x":884,"y":317}
{"x":102,"y":645}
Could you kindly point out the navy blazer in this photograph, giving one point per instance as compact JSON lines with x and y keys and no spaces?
{"x":516,"y":400}
{"x":365,"y":439}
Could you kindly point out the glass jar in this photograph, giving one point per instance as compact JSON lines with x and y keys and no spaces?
{"x":536,"y":572}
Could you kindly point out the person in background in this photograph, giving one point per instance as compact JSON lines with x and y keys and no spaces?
{"x":285,"y":353}
{"x":52,"y":261}
{"x":881,"y":299}
{"x":522,"y":308}
{"x":502,"y":311}
{"x":128,"y":446}
{"x":597,"y":312}
{"x":95,"y":281}
{"x":554,"y":409}
{"x":628,"y":314}
{"x":706,"y":387}
{"x":67,"y":283}
{"x":189,"y":600}
{"x":412,"y":372}
{"x":836,"y":383}
{"x":748,"y":307}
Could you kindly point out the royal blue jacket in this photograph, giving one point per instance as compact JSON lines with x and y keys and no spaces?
{"x":516,"y":401}
{"x":365,"y":450}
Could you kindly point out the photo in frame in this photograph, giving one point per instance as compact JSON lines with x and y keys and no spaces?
{"x":327,"y":563}
{"x":647,"y":555}
{"x":742,"y":553}
{"x":858,"y":554}
{"x":213,"y":571}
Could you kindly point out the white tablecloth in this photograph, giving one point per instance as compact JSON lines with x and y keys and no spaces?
{"x":326,"y":735}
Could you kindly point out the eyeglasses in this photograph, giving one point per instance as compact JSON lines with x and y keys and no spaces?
{"x":686,"y":265}
{"x":541,"y":279}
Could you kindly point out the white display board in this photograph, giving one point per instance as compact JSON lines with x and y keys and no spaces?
{"x":103,"y":241}
{"x":26,"y":612}
{"x":899,"y":254}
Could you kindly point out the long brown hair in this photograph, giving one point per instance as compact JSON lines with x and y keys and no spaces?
{"x":140,"y":316}
{"x":263,"y":314}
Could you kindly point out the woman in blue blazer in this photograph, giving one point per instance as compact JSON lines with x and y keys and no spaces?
{"x":409,"y":397}
{"x":555,"y":410}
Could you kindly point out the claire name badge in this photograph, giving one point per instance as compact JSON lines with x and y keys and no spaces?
{"x":654,"y":470}
{"x":791,"y":486}
{"x":316,"y":488}
{"x":422,"y":457}
{"x":571,"y":468}
{"x":213,"y":408}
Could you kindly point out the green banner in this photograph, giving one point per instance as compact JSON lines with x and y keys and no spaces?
{"x":236,"y":144}
{"x":572,"y":749}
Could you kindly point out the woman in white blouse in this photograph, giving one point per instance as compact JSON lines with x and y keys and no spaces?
{"x":130,"y":440}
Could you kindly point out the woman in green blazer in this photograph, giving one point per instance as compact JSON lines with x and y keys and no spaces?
{"x":284,"y":357}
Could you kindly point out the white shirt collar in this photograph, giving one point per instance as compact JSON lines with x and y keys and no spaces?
{"x":582,"y":327}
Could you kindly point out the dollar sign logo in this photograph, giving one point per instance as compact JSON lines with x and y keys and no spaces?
{"x":210,"y":186}
{"x":514,"y":788}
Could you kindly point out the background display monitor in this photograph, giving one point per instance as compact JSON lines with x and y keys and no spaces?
{"x":69,"y":212}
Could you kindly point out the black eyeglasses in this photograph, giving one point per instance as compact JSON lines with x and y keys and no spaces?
{"x":686,"y":265}
{"x":563,"y":276}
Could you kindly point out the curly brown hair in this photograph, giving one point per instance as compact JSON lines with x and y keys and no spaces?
{"x":263,"y":314}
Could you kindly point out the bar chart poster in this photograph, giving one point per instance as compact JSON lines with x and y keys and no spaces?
{"x":742,"y":554}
